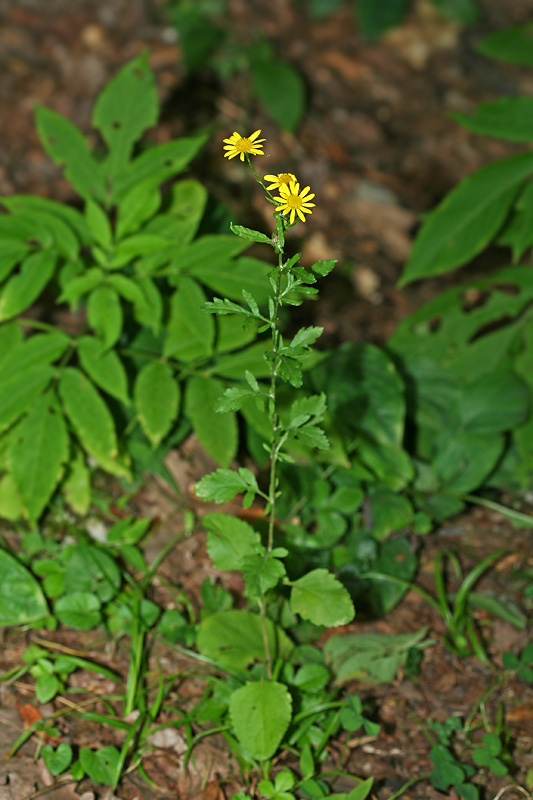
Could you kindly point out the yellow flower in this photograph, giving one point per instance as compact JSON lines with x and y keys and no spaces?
{"x":238,"y":145}
{"x":293,"y":201}
{"x":282,"y":179}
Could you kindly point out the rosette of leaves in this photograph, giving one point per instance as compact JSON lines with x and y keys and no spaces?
{"x":144,"y":365}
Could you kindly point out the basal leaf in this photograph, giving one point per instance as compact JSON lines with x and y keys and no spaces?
{"x":90,"y":418}
{"x":38,"y":454}
{"x":158,"y":163}
{"x":21,"y":597}
{"x":217,"y":432}
{"x":234,"y":639}
{"x":319,"y":597}
{"x":191,"y":331}
{"x":260,"y":714}
{"x":509,"y":118}
{"x":467,"y":219}
{"x":19,"y":391}
{"x":104,"y":367}
{"x":104,"y":311}
{"x":157,"y":395}
{"x":23,"y":289}
{"x":65,"y":144}
{"x":287,"y":106}
{"x":124,"y":110}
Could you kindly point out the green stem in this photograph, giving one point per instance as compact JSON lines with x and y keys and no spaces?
{"x":510,"y":513}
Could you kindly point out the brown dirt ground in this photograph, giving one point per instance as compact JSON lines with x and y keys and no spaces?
{"x":379,"y":149}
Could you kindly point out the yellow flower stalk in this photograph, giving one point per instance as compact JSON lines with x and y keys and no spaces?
{"x":238,"y":145}
{"x":293,"y":201}
{"x":282,"y":179}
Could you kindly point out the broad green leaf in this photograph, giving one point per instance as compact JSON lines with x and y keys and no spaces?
{"x":104,"y":312}
{"x":10,"y":505}
{"x":232,"y":334}
{"x":229,"y":540}
{"x":210,"y":251}
{"x":79,"y":286}
{"x":124,"y":110}
{"x":20,"y":391}
{"x":21,"y":290}
{"x":261,"y":573}
{"x":375,"y":657}
{"x":65,"y":144}
{"x":21,"y":598}
{"x":365,"y":393}
{"x":138,"y":205}
{"x":140,"y":244}
{"x":467,"y":219}
{"x":37,"y":350}
{"x":77,"y":485}
{"x":90,"y":418}
{"x":65,"y":241}
{"x":518,"y":232}
{"x":69,"y":215}
{"x":234,"y":639}
{"x":464,"y":11}
{"x":229,"y":278}
{"x":11,"y":337}
{"x":99,"y":225}
{"x":388,"y":462}
{"x":222,"y":485}
{"x":286,"y":106}
{"x":319,"y":597}
{"x":512,"y":45}
{"x":38,"y":455}
{"x":376,"y":18}
{"x":496,"y":402}
{"x":508,"y":118}
{"x":260,"y":714}
{"x":101,"y":765}
{"x":158,"y":163}
{"x":191,"y":331}
{"x":104,"y":367}
{"x":23,"y":228}
{"x":464,"y":459}
{"x":185,"y":205}
{"x":59,"y":759}
{"x":90,"y":568}
{"x":218,"y":433}
{"x":235,"y":365}
{"x":389,"y":511}
{"x":11,"y":254}
{"x":198,"y":35}
{"x":157,"y":394}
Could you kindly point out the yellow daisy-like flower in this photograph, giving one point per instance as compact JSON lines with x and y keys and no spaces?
{"x":282,"y":179}
{"x":293,"y":201}
{"x":238,"y":145}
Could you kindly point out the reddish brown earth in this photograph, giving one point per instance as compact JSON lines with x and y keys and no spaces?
{"x":379,"y":149}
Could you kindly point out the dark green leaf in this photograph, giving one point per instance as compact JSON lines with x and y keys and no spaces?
{"x":281,"y":90}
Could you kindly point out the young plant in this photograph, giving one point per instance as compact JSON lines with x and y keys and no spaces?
{"x":261,"y":709}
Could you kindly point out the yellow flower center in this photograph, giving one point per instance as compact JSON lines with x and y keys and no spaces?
{"x":243,"y":145}
{"x":285,"y":177}
{"x":294,"y":201}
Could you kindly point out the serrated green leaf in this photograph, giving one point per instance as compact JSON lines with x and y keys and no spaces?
{"x":251,"y":235}
{"x":261,"y":573}
{"x":260,"y":714}
{"x":218,"y":434}
{"x":90,"y":418}
{"x":104,"y":312}
{"x":21,"y":597}
{"x":157,"y":395}
{"x":20,"y":391}
{"x":21,"y":290}
{"x":38,"y":454}
{"x":104,"y":367}
{"x":126,"y":107}
{"x":467,"y":219}
{"x":223,"y":484}
{"x":229,"y":540}
{"x":66,"y":146}
{"x":319,"y":597}
{"x":191,"y":332}
{"x":233,"y":399}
